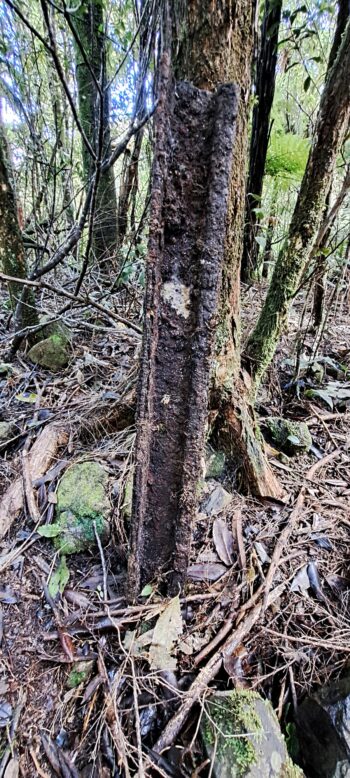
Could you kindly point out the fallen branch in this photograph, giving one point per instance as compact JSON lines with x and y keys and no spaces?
{"x":40,"y":457}
{"x":86,"y":300}
{"x":210,"y":670}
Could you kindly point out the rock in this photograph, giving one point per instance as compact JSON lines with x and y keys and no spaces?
{"x":292,"y":437}
{"x":53,"y":353}
{"x":262,"y":753}
{"x":214,"y":463}
{"x":8,"y":430}
{"x":217,"y":500}
{"x":324,"y":731}
{"x":57,"y":328}
{"x":81,"y":500}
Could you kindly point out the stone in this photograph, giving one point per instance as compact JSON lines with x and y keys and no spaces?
{"x":52,"y":353}
{"x":293,"y":437}
{"x":57,"y":328}
{"x":82,"y":499}
{"x":323,"y":726}
{"x":8,"y":430}
{"x":217,"y":500}
{"x":243,"y":737}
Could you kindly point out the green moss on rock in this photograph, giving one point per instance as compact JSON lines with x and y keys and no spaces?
{"x":242,"y":735}
{"x":292,"y":437}
{"x":82,"y":500}
{"x":52,"y":353}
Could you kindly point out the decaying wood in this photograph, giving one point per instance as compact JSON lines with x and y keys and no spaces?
{"x":39,"y":459}
{"x":194,"y":140}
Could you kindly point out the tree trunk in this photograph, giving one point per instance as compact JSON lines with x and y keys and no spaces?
{"x":265,"y":89}
{"x":268,"y":252}
{"x":321,"y":261}
{"x":191,"y":173}
{"x":12,"y":253}
{"x":91,"y":72}
{"x":333,"y":118}
{"x":218,"y":47}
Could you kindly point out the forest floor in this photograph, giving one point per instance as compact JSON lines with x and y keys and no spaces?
{"x":58,"y":722}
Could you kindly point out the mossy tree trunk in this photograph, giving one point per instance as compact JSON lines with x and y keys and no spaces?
{"x":12,"y":252}
{"x":94,"y":109}
{"x":332,"y":123}
{"x":217,"y":47}
{"x":321,"y":257}
{"x":264,"y":93}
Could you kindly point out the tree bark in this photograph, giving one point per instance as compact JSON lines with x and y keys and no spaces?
{"x":90,"y":72}
{"x":333,"y":118}
{"x":12,"y":252}
{"x":321,"y":274}
{"x":190,"y":186}
{"x":265,"y":90}
{"x":218,"y":47}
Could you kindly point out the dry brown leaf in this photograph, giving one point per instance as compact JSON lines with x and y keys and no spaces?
{"x":223,"y":541}
{"x":166,"y":632}
{"x":206,"y":571}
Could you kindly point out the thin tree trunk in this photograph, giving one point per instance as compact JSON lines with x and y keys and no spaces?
{"x":265,"y":89}
{"x":333,"y":118}
{"x":12,"y":252}
{"x":268,"y":253}
{"x":90,"y":71}
{"x":321,"y":275}
{"x":190,"y":188}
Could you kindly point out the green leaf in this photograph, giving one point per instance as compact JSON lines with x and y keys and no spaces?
{"x":50,"y":530}
{"x":294,"y":440}
{"x":260,"y":241}
{"x":146,"y":591}
{"x":307,"y":83}
{"x":27,"y":397}
{"x":59,"y":579}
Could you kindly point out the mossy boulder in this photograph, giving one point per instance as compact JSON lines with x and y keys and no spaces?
{"x":52,"y":353}
{"x":243,"y":737}
{"x":57,"y":328}
{"x":82,"y":502}
{"x":293,"y":437}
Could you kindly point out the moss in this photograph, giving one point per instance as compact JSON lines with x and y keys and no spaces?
{"x":291,"y":436}
{"x":215,"y":463}
{"x":51,"y":353}
{"x":79,"y":674}
{"x":235,"y":717}
{"x":78,"y":533}
{"x":82,"y":499}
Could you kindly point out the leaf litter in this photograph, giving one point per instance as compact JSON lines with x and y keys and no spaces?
{"x":148,"y":651}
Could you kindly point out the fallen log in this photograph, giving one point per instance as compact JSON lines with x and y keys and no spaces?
{"x":39,"y":459}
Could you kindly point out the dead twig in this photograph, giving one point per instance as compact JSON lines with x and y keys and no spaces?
{"x":208,"y":673}
{"x":321,"y":463}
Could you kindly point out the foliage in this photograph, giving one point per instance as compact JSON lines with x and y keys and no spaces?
{"x":287,"y":156}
